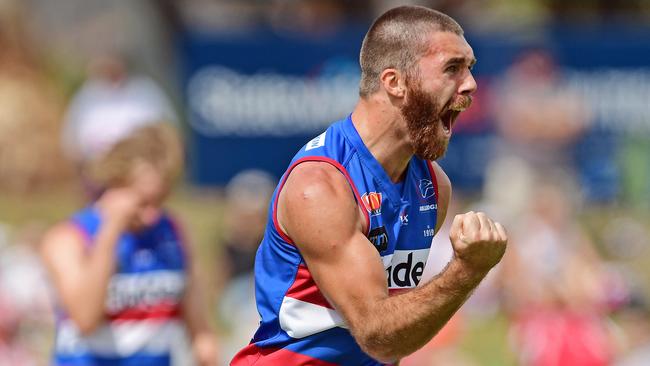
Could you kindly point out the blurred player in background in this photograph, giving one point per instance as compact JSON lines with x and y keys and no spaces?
{"x":247,"y":198}
{"x":122,"y":271}
{"x":113,"y":99}
{"x":352,"y":219}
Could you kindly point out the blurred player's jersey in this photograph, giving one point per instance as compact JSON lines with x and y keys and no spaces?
{"x":143,"y":325}
{"x":299,"y":326}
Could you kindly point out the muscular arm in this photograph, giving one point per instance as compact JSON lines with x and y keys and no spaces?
{"x":318,"y":211}
{"x":81,"y":274}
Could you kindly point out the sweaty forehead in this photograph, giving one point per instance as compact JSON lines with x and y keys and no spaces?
{"x":447,"y":45}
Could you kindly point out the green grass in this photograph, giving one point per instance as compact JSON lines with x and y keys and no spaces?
{"x":485,"y":342}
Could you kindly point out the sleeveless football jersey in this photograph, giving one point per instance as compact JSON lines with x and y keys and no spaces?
{"x":298,"y":325}
{"x":143,"y":325}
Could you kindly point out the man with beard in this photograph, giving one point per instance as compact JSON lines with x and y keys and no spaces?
{"x":352,"y":219}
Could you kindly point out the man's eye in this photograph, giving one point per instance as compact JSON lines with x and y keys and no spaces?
{"x":452,"y":69}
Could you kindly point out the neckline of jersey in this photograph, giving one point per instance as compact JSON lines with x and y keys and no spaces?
{"x":392,"y":190}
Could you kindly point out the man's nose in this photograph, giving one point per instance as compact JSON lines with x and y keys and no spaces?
{"x":468,"y":87}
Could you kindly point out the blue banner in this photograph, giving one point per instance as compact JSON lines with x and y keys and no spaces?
{"x":254,"y":98}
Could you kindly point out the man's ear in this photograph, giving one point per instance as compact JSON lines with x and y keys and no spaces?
{"x":393,"y":82}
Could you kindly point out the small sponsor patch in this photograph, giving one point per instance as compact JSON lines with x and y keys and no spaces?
{"x":425,"y":208}
{"x":372,"y":202}
{"x":379,"y":238}
{"x":403,"y":218}
{"x":316,"y":142}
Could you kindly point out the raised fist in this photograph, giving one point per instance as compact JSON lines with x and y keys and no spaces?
{"x":478,"y":241}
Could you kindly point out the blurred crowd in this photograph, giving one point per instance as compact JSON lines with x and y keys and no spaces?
{"x":572,"y":289}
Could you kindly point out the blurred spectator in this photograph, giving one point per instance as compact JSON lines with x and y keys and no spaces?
{"x":554,"y":283}
{"x":24,"y":297}
{"x":124,"y":276}
{"x":247,"y":199}
{"x":15,"y":306}
{"x":12,"y":351}
{"x":537,"y":116}
{"x":110,"y":104}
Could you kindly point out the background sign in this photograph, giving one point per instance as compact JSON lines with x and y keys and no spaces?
{"x":253,"y":99}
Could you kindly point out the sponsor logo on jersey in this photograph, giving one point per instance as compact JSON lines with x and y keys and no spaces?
{"x":406,"y":267}
{"x":403,"y":218}
{"x":426,"y":195}
{"x":379,"y":238}
{"x":316,"y":142}
{"x":372,"y":202}
{"x":143,"y":290}
{"x":425,"y":208}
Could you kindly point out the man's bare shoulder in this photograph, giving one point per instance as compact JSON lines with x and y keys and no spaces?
{"x":317,"y":181}
{"x":317,"y":195}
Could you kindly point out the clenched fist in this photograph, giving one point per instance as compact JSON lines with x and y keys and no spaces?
{"x":478,"y":241}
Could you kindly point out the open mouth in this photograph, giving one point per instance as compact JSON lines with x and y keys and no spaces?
{"x":448,"y":118}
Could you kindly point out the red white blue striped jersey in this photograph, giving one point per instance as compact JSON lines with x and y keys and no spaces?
{"x":143,"y":325}
{"x":298,"y":325}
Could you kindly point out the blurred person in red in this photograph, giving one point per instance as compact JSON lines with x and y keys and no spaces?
{"x":554,"y":283}
{"x":124,"y":276}
{"x":111,"y":101}
{"x":12,"y":350}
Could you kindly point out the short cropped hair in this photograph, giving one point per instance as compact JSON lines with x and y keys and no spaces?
{"x":398,"y":39}
{"x":157,"y":144}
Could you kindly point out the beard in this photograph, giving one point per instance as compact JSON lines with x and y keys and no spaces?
{"x":422,"y":113}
